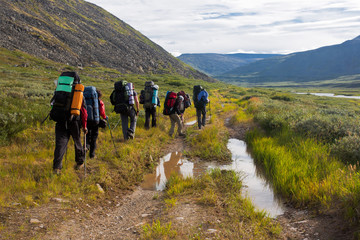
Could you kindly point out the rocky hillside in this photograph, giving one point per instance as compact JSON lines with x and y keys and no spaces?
{"x":82,"y":34}
{"x":316,"y":65}
{"x":215,"y":64}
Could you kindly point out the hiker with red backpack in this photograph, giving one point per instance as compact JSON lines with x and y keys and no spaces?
{"x":172,"y":109}
{"x":69,"y":113}
{"x":126,"y":103}
{"x":200,"y":98}
{"x":150,"y":100}
{"x":95,"y":108}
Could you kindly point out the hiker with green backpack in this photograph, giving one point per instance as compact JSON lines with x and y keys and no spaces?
{"x":172,"y":109}
{"x":200,"y":98}
{"x":69,"y":112}
{"x":150,"y":100}
{"x":95,"y":108}
{"x":126,"y":103}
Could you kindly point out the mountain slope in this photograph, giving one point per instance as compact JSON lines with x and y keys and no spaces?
{"x":82,"y":34}
{"x":216,"y":64}
{"x":320,"y":64}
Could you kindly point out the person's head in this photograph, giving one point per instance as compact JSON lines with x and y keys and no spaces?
{"x":99,"y":93}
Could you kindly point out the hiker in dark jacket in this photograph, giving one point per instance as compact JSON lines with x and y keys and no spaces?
{"x":129,"y":132}
{"x":93,"y":130}
{"x":200,"y":105}
{"x":175,"y":116}
{"x":63,"y":131}
{"x":151,"y":112}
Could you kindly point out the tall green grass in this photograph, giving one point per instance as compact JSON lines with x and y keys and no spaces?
{"x":303,"y":170}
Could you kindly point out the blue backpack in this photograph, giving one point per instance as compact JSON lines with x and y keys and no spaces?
{"x":92,"y":105}
{"x":202,"y":99}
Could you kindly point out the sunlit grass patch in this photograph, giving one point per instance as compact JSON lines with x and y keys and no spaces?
{"x":209,"y":142}
{"x":158,"y":231}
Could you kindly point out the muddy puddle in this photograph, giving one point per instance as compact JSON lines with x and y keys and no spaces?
{"x":256,"y":186}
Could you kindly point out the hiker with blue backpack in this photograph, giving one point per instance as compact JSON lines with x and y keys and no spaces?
{"x":126,"y":103}
{"x":172,"y":105}
{"x":150,"y":100}
{"x":69,"y":112}
{"x":95,"y":109}
{"x":200,"y":98}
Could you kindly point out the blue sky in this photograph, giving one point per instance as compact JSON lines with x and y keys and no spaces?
{"x":229,"y":26}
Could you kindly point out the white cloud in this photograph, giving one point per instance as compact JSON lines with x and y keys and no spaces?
{"x":223,"y":26}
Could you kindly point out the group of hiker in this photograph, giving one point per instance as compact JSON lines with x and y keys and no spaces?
{"x":75,"y":106}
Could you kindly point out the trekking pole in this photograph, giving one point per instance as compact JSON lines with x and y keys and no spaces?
{"x":66,"y":156}
{"x":112,"y":138}
{"x":45,"y":119}
{"x":210,"y":108}
{"x":85,"y":154}
{"x":116,"y":124}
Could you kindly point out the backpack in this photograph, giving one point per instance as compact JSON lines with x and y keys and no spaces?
{"x":121,"y":97}
{"x":63,"y":97}
{"x":169,"y":103}
{"x":92,"y":105}
{"x":201,"y":101}
{"x":187,"y":100}
{"x":149,"y":95}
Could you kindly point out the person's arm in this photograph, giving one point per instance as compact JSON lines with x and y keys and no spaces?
{"x":83,"y":116}
{"x":136,"y":102}
{"x":102,"y":109}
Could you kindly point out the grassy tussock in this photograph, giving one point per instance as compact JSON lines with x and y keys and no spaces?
{"x":220,"y":191}
{"x":304,"y":171}
{"x":209,"y":143}
{"x":158,"y":231}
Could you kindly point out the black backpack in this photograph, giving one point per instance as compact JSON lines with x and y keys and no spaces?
{"x":61,"y":102}
{"x":120,"y":97}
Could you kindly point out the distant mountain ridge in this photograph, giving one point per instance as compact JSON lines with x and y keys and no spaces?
{"x":324,"y":63}
{"x":82,"y":34}
{"x":216,"y":64}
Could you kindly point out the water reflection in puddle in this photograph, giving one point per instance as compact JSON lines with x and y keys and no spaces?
{"x":256,"y":188}
{"x":172,"y":162}
{"x":190,"y":123}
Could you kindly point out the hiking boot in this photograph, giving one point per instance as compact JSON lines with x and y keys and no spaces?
{"x":57,"y":171}
{"x":77,"y":166}
{"x":92,"y":156}
{"x":181,"y":135}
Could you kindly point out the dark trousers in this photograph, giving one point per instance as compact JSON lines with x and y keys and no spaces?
{"x":128,"y":132}
{"x":150,"y":112}
{"x":201,"y":119}
{"x":91,"y":137}
{"x":63,"y":132}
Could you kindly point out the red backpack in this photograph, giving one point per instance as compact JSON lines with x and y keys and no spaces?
{"x":169,"y":104}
